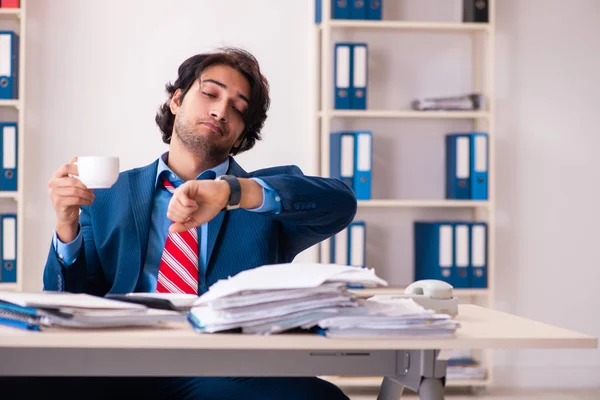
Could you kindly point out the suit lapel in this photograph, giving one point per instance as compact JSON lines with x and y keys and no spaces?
{"x":141,"y":187}
{"x":214,"y":225}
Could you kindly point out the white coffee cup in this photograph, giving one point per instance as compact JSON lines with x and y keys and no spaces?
{"x":98,"y":172}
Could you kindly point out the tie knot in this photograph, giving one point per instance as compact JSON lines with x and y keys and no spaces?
{"x":170,"y":186}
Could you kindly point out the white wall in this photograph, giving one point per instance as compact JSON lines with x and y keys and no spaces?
{"x":95,"y":89}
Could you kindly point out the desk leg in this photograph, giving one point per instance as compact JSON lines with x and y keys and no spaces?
{"x":418,"y":370}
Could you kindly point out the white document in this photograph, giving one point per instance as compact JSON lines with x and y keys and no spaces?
{"x":62,"y":300}
{"x":290,"y":276}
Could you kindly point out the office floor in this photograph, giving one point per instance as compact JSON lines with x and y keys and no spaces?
{"x":494,"y":394}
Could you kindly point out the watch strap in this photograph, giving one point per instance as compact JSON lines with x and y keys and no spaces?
{"x":235,"y":195}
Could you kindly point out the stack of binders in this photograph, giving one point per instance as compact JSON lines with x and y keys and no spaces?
{"x":350,"y":9}
{"x":351,"y":160}
{"x":451,"y":251}
{"x":348,"y":247}
{"x":467,"y":166}
{"x":350,"y":76}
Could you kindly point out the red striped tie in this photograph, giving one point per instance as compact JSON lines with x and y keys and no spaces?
{"x":178,"y":270}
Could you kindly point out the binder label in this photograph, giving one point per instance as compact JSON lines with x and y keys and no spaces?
{"x":5,"y":55}
{"x":445,"y":246}
{"x":360,"y":66}
{"x":478,"y":246}
{"x":364,"y":152}
{"x":462,"y":246}
{"x":341,"y":247}
{"x":462,"y":157}
{"x":9,"y":231}
{"x":358,"y":248}
{"x":9,"y":154}
{"x":347,"y":156}
{"x":342,"y":73}
{"x":480,"y":153}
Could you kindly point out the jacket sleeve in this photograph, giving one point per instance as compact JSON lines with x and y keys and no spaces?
{"x":312,"y":208}
{"x":85,"y":274}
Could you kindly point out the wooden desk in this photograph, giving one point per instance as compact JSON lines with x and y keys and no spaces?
{"x":179,"y":351}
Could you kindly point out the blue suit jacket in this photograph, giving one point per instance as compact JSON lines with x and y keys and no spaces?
{"x":116,"y":226}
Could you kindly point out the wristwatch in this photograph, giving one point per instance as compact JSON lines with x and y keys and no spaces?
{"x":235,"y":191}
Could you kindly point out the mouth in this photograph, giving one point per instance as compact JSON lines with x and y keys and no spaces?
{"x":213,"y":128}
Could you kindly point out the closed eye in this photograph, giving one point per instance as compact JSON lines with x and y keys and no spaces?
{"x":209,"y":94}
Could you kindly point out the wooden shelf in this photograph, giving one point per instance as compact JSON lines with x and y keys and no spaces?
{"x":10,"y":103}
{"x":411,"y":25}
{"x":368,"y":292}
{"x":388,"y":203}
{"x":8,"y":287}
{"x":9,"y":195}
{"x":408,"y":114}
{"x":11,"y":12}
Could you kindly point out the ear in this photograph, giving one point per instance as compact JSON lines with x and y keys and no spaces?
{"x":175,"y":102}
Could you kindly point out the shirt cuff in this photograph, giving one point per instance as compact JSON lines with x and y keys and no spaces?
{"x":68,"y":252}
{"x":271,"y":200}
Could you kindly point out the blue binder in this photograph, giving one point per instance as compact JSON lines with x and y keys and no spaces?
{"x":357,"y":244}
{"x":461,"y":271}
{"x":9,"y":65}
{"x":478,"y":257}
{"x":339,"y":248}
{"x":8,"y":250}
{"x":433,"y":251}
{"x":363,"y":146}
{"x":360,"y":72}
{"x":479,"y":165}
{"x":341,"y":157}
{"x":8,"y":156}
{"x":358,"y":9}
{"x":342,"y":74}
{"x":374,"y":9}
{"x":340,"y":9}
{"x":318,"y":11}
{"x":458,"y":166}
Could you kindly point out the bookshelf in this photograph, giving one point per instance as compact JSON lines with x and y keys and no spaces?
{"x":14,"y":111}
{"x":481,"y":36}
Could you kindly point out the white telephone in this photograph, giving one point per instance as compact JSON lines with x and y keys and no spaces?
{"x":430,"y":293}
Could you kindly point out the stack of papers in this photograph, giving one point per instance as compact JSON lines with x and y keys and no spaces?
{"x":34,"y":311}
{"x":280,"y":297}
{"x":390,"y":319}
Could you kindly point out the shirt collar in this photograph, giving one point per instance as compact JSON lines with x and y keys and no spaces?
{"x":219,"y":170}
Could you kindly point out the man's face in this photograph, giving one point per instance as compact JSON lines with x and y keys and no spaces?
{"x":210,"y":119}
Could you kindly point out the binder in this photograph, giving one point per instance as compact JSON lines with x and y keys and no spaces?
{"x":461,"y":273}
{"x":9,"y":3}
{"x":475,"y":11}
{"x":318,"y":11}
{"x":341,"y":157}
{"x":8,"y":273}
{"x":8,"y":156}
{"x":340,"y":9}
{"x":342,"y":71}
{"x":374,"y":9}
{"x":479,"y":166}
{"x":433,"y":249}
{"x":357,"y":244}
{"x":362,"y":169}
{"x":339,"y":248}
{"x":9,"y":65}
{"x":479,"y":250}
{"x":458,"y":166}
{"x":359,"y":76}
{"x":358,"y":9}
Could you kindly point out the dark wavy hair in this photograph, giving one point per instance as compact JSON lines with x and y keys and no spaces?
{"x":244,"y":62}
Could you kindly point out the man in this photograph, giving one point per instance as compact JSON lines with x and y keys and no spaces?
{"x":171,"y":227}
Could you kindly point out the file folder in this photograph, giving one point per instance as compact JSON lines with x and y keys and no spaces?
{"x":374,"y":9}
{"x":342,"y":70}
{"x":358,"y":9}
{"x":8,"y":273}
{"x":458,"y":149}
{"x":9,"y":3}
{"x":318,"y":11}
{"x":479,"y":166}
{"x":357,"y":244}
{"x":340,"y":9}
{"x":339,"y":248}
{"x":461,"y":271}
{"x":341,"y":157}
{"x":433,"y":251}
{"x":8,"y":160}
{"x":479,"y":257}
{"x":359,"y":79}
{"x":9,"y":65}
{"x":363,"y":165}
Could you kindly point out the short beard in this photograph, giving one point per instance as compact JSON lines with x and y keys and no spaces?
{"x":198,"y":145}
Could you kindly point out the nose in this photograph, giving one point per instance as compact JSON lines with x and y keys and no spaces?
{"x":218,"y":112}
